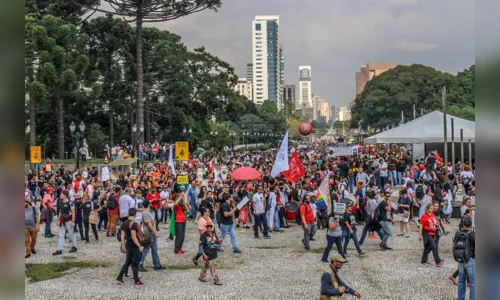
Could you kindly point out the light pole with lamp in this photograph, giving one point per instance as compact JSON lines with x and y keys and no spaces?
{"x":245,"y":134}
{"x":187,"y":134}
{"x":232,"y":135}
{"x":213,"y":134}
{"x":28,"y":129}
{"x":256,"y":139}
{"x":136,"y":135}
{"x":76,"y":140}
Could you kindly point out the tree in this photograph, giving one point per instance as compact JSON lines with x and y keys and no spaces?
{"x":386,"y":95}
{"x":142,"y":12}
{"x":96,"y":138}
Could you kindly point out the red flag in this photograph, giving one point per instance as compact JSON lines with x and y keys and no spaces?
{"x":295,"y":171}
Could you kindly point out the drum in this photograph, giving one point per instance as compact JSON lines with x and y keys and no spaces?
{"x":291,"y":209}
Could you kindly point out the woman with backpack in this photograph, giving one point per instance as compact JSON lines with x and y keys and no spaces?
{"x":333,"y":236}
{"x":131,"y":236}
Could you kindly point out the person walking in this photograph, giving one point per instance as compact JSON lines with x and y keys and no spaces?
{"x":464,"y":252}
{"x":258,"y":204}
{"x":113,"y":209}
{"x":87,"y":208}
{"x":180,"y":207}
{"x":228,"y":208}
{"x":209,"y":242}
{"x":131,"y":246}
{"x":147,"y":223}
{"x":349,"y":230}
{"x":307,"y":221}
{"x":332,"y":288}
{"x":66,"y":219}
{"x":404,"y":205}
{"x":383,"y":215}
{"x":427,"y":232}
{"x":333,"y":236}
{"x":202,"y":227}
{"x":48,"y":211}
{"x":31,"y":227}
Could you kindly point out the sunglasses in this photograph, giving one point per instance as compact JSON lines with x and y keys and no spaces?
{"x":209,"y":226}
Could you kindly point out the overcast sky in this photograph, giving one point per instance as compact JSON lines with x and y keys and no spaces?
{"x":336,"y":37}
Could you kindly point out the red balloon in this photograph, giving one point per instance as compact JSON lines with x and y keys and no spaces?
{"x":305,"y":128}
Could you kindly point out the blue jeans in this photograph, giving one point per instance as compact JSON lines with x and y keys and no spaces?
{"x":214,"y":220}
{"x":469,"y":270}
{"x":193,"y":210}
{"x":154,"y":252}
{"x":350,"y":181}
{"x":48,"y":231}
{"x":348,"y":236}
{"x":383,"y":181}
{"x":401,"y":176}
{"x":277,"y":224}
{"x":62,"y":233}
{"x":337,"y":240}
{"x":393,"y":175}
{"x":225,"y":229}
{"x":386,"y":225}
{"x":260,"y":219}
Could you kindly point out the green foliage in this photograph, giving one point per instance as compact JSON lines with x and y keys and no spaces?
{"x":321,"y":128}
{"x":386,"y":95}
{"x":96,"y":138}
{"x":41,"y":272}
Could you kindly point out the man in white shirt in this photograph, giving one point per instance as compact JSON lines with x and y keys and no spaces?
{"x":259,"y":213}
{"x":125,"y":203}
{"x":363,"y":178}
{"x":113,"y":153}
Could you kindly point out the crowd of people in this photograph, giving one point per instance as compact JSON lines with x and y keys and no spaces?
{"x":132,"y":207}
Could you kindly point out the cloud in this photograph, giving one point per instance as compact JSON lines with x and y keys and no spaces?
{"x":400,"y":2}
{"x":415,"y":46}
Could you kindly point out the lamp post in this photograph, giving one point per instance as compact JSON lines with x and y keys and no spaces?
{"x":213,"y":134}
{"x":187,"y":134}
{"x":76,"y":140}
{"x":27,"y":130}
{"x":136,"y":135}
{"x":245,"y":134}
{"x":232,"y":135}
{"x":256,"y":139}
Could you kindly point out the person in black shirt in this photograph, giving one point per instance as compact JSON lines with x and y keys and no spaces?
{"x":209,"y":241}
{"x":87,"y":207}
{"x":467,"y":270}
{"x":130,"y":233}
{"x":208,"y":203}
{"x":228,"y":209}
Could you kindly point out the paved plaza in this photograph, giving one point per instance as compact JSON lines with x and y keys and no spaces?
{"x":277,"y":268}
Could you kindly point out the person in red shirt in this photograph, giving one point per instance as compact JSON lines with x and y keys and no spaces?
{"x":154,"y":197}
{"x":307,"y":218}
{"x":180,"y":207}
{"x":427,"y":232}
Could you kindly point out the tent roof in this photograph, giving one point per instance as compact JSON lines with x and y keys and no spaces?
{"x":426,"y":129}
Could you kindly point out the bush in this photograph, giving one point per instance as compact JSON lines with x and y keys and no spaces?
{"x":242,"y":149}
{"x":209,"y":153}
{"x":264,"y":147}
{"x":197,"y":153}
{"x":251,"y":148}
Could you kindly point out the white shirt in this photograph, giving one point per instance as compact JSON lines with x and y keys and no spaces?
{"x":272,"y":200}
{"x":138,"y":215}
{"x":113,"y":150}
{"x":383,"y":173}
{"x":258,"y":199}
{"x":164,"y":196}
{"x":126,"y":202}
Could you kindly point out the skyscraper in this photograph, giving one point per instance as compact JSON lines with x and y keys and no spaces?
{"x":250,"y":77}
{"x":370,"y":70}
{"x":289,"y":93}
{"x":305,"y":92}
{"x":266,"y":60}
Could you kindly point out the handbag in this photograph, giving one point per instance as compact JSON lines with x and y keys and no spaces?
{"x":406,"y":213}
{"x":93,"y":217}
{"x":147,"y":237}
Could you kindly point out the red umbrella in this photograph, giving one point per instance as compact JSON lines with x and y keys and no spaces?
{"x":245,"y":173}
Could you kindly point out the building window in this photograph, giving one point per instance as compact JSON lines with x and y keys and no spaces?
{"x":258,"y":27}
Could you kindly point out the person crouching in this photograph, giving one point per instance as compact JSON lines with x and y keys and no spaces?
{"x":209,"y":241}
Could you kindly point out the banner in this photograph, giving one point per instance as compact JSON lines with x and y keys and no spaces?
{"x":35,"y":154}
{"x":319,"y":200}
{"x":182,"y":151}
{"x":296,"y":170}
{"x":324,"y":188}
{"x":342,"y":151}
{"x":281,"y":163}
{"x":171,"y":160}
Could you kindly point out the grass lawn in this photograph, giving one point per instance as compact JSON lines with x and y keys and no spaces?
{"x":40,"y":272}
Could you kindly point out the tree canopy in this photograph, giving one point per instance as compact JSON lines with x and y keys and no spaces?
{"x":386,"y":95}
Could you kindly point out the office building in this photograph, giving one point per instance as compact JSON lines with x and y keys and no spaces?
{"x":305,"y":91}
{"x":370,"y":70}
{"x":321,"y":110}
{"x":334,"y":113}
{"x":266,"y":60}
{"x":344,"y":113}
{"x":244,"y":88}
{"x":250,"y":75}
{"x":289,"y":94}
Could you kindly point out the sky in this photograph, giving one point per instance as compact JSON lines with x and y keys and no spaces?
{"x":336,"y":37}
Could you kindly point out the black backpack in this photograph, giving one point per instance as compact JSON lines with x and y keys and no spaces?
{"x":461,"y":247}
{"x":111,"y":203}
{"x":378,"y":213}
{"x":419,"y":192}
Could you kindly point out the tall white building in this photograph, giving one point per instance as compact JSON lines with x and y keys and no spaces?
{"x":305,"y":92}
{"x":266,"y":60}
{"x":344,"y":113}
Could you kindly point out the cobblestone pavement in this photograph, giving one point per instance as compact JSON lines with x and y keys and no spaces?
{"x":277,"y":268}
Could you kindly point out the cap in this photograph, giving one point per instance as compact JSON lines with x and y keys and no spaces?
{"x":467,"y":222}
{"x":337,"y":257}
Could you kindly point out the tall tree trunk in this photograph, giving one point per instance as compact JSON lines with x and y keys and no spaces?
{"x":111,"y":128}
{"x":32,"y":112}
{"x":140,"y":82}
{"x":147,"y":129}
{"x":60,"y":128}
{"x":131,"y":116}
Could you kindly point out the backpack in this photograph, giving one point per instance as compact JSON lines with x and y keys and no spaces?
{"x":461,"y":248}
{"x":111,"y":203}
{"x":419,"y":192}
{"x":378,"y":213}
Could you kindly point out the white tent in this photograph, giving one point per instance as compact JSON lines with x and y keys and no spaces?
{"x":426,"y":129}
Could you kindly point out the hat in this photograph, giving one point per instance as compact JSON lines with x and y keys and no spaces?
{"x":467,"y":222}
{"x":337,"y":257}
{"x":209,"y":223}
{"x":79,"y":196}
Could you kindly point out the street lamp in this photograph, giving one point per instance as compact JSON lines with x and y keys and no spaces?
{"x":232,"y":135}
{"x":213,"y":134}
{"x":256,"y":139}
{"x":245,"y":134}
{"x":136,"y":136}
{"x":76,"y":140}
{"x":187,"y":132}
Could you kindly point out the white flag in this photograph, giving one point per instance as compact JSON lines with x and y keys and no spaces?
{"x":171,"y":160}
{"x":281,"y":163}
